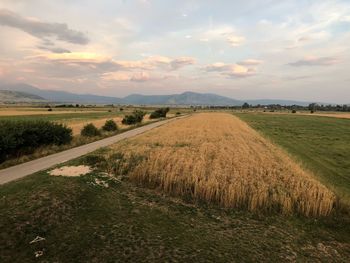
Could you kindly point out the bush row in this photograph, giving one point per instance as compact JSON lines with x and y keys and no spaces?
{"x":20,"y":137}
{"x":159,"y":113}
{"x":135,"y":118}
{"x":90,"y":130}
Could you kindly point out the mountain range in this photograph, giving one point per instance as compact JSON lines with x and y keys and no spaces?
{"x":28,"y":93}
{"x":17,"y":96}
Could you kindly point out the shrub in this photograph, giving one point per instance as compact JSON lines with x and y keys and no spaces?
{"x":294,"y":111}
{"x":245,"y":105}
{"x":50,"y":109}
{"x":19,"y":137}
{"x":159,"y":113}
{"x":90,"y":130}
{"x":110,"y":125}
{"x":134,"y":118}
{"x":178,"y":113}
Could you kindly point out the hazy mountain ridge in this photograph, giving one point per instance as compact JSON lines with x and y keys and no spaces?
{"x":17,"y":96}
{"x":186,"y":98}
{"x":61,"y":96}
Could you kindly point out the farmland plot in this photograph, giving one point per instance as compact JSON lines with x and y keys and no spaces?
{"x":77,"y":126}
{"x":216,"y":157}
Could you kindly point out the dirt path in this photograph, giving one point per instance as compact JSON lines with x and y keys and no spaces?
{"x":22,"y":170}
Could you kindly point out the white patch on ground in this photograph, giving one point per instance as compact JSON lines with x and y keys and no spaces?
{"x":101,"y":183}
{"x":71,"y":170}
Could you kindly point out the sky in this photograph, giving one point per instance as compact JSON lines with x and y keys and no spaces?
{"x":252,"y":49}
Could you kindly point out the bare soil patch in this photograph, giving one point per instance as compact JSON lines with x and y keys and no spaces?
{"x":71,"y":171}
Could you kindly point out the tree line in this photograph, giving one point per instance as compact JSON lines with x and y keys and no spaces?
{"x":311,"y":107}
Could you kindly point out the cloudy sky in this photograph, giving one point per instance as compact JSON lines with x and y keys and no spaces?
{"x":242,"y":49}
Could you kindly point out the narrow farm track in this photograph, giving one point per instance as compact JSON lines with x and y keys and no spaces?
{"x":22,"y":170}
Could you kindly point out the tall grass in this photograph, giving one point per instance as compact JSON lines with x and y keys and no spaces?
{"x":217,"y":158}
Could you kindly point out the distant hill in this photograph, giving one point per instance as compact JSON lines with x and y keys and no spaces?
{"x":17,"y":96}
{"x":61,"y":96}
{"x":186,"y":98}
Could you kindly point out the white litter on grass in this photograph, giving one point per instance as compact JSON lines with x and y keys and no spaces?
{"x":37,"y":239}
{"x":101,"y":183}
{"x":38,"y":253}
{"x":71,"y":170}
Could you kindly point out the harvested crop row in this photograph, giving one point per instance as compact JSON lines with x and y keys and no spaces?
{"x":218,"y":158}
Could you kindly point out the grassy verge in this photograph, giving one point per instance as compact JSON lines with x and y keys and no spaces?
{"x":85,"y":222}
{"x":322,"y":144}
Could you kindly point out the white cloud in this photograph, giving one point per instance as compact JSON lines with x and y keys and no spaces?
{"x":118,"y":76}
{"x":250,"y":62}
{"x":100,"y":61}
{"x":140,"y":76}
{"x":41,"y":29}
{"x":182,"y":62}
{"x":222,"y":33}
{"x":315,"y":61}
{"x":235,"y":41}
{"x":231,"y":70}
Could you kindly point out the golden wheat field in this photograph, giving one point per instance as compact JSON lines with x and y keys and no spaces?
{"x":218,"y":158}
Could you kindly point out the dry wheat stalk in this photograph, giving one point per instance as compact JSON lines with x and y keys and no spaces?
{"x":218,"y":158}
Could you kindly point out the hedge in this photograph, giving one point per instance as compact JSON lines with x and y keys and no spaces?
{"x":90,"y":130}
{"x":20,"y":137}
{"x":136,"y":117}
{"x":110,"y":125}
{"x":159,"y":113}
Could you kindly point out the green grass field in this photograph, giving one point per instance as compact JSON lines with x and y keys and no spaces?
{"x":64,"y":117}
{"x":84,"y":222}
{"x":322,"y":144}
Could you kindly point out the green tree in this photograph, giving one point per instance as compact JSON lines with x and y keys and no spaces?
{"x":245,"y":105}
{"x":134,"y":118}
{"x":110,"y":125}
{"x":159,"y":113}
{"x":90,"y":130}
